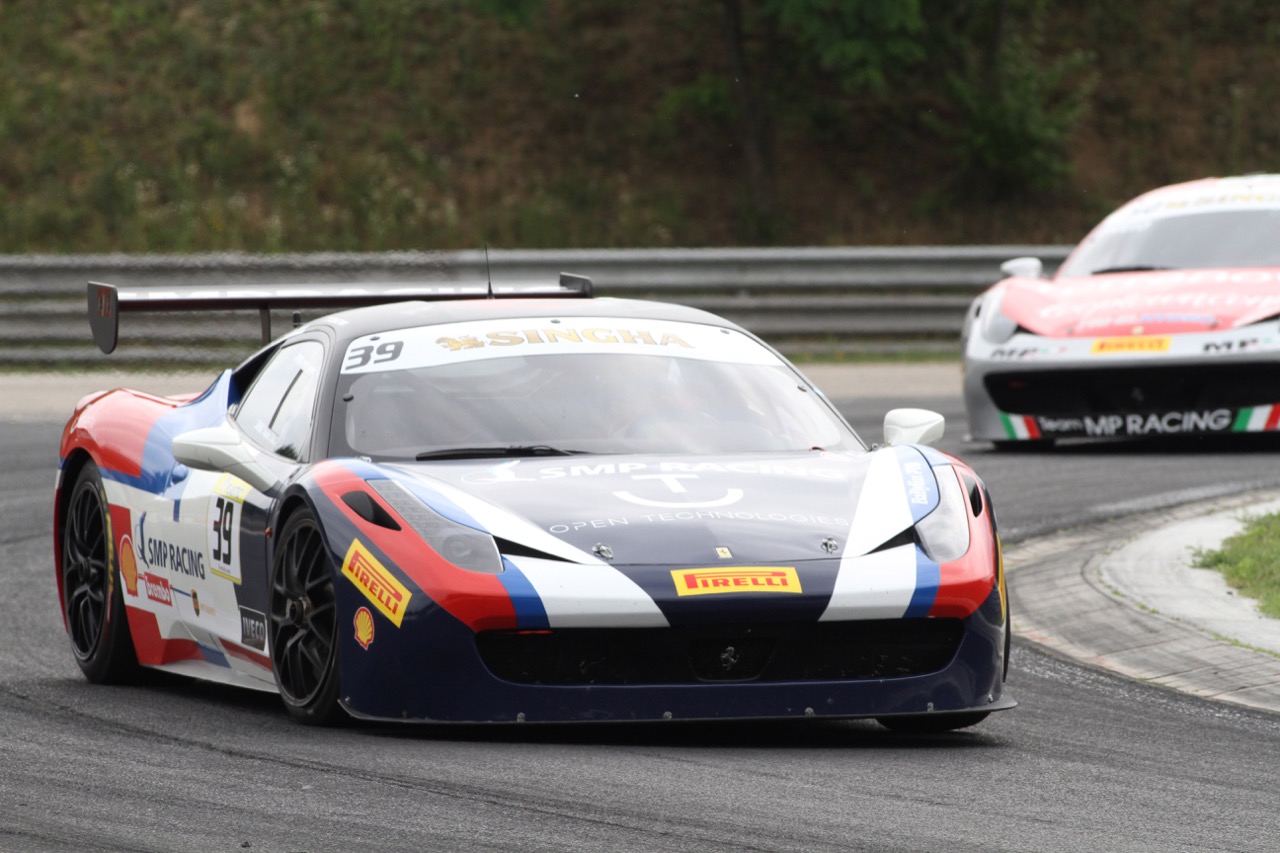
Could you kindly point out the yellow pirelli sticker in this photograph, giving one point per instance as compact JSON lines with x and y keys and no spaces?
{"x":378,"y":585}
{"x":713,"y":581}
{"x":1136,"y":343}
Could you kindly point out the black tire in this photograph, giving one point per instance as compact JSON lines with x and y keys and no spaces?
{"x":1008,"y":645}
{"x":302,"y":623}
{"x":925,"y":724}
{"x":92,"y":598}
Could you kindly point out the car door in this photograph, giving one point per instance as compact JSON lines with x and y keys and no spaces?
{"x":225,"y":606}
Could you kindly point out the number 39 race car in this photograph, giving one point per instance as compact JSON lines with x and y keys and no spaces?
{"x":1162,"y":321}
{"x":524,"y":504}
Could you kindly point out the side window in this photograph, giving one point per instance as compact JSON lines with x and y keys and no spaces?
{"x":277,"y":411}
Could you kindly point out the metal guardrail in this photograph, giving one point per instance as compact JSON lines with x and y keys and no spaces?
{"x":812,"y":301}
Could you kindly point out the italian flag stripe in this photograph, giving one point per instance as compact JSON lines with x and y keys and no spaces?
{"x":1020,"y":426}
{"x":1273,"y":419}
{"x":1257,"y":419}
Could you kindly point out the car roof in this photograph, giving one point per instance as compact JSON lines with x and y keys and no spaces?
{"x":358,"y":322}
{"x":1203,"y":195}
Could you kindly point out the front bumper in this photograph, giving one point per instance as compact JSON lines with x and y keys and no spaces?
{"x":1033,"y":390}
{"x":434,"y":671}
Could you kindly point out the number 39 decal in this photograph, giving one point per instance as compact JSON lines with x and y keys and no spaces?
{"x":358,"y":357}
{"x":225,"y":506}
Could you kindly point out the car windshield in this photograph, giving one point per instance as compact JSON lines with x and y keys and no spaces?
{"x":602,"y":396}
{"x":1219,"y":239}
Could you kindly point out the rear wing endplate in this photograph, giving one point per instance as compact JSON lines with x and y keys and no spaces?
{"x":107,"y":302}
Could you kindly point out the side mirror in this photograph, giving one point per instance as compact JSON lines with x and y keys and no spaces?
{"x":1022,"y":267}
{"x":222,"y":448}
{"x":913,"y":426}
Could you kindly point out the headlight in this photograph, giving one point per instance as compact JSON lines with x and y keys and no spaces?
{"x":465,"y":547}
{"x":996,"y":326}
{"x":944,"y":533}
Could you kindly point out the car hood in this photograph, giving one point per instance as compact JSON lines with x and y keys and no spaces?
{"x":1142,"y":303}
{"x":636,"y":510}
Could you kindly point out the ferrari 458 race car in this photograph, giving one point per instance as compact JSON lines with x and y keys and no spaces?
{"x":1162,"y":321}
{"x":527,"y":508}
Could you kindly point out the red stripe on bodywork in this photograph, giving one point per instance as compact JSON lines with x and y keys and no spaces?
{"x":1033,"y":430}
{"x":121,"y":528}
{"x":151,"y":647}
{"x":115,"y":430}
{"x":479,"y":601}
{"x":252,"y":657}
{"x":964,"y":584}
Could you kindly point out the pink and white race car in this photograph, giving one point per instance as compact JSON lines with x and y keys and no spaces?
{"x":1164,"y":320}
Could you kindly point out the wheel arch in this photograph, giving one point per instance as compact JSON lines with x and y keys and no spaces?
{"x":290,"y":504}
{"x":294,"y":499}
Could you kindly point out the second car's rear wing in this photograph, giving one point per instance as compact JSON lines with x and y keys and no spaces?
{"x":107,"y":302}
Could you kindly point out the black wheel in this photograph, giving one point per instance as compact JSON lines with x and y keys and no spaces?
{"x":92,"y":600}
{"x":303,"y":623}
{"x":923,"y":724}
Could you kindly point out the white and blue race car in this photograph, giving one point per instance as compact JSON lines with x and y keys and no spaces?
{"x":531,"y":508}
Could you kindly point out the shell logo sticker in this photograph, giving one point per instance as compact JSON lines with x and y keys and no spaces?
{"x":1148,"y":343}
{"x":128,"y":565}
{"x":374,"y":580}
{"x":714,"y":581}
{"x":363,"y":622}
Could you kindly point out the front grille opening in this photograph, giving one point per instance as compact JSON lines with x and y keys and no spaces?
{"x":1135,"y":390}
{"x":836,"y":651}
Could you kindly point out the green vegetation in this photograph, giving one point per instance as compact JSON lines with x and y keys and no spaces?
{"x":334,"y":125}
{"x":1250,"y":561}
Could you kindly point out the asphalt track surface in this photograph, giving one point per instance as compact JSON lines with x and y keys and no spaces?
{"x":1089,"y":761}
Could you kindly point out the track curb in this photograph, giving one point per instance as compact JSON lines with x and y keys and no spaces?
{"x":1067,"y":597}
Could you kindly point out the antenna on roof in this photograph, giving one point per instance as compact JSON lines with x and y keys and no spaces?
{"x":488,"y":274}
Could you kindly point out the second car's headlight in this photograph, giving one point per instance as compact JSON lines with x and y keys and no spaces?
{"x":465,"y":547}
{"x":997,"y":327}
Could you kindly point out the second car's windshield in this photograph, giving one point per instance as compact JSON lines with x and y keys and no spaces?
{"x":610,"y":398}
{"x":1219,"y":239}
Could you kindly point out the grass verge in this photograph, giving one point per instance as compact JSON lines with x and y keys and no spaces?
{"x":1250,"y":562}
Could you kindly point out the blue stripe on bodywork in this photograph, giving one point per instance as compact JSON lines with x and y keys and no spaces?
{"x":210,"y":654}
{"x":524,"y":598}
{"x":157,"y":463}
{"x":362,"y":469}
{"x":928,"y":577}
{"x":213,"y":656}
{"x":918,"y":480}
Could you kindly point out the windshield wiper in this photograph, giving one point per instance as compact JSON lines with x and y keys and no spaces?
{"x":1135,"y":268}
{"x":496,"y":451}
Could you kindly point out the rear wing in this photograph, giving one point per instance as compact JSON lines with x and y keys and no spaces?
{"x":107,"y":302}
